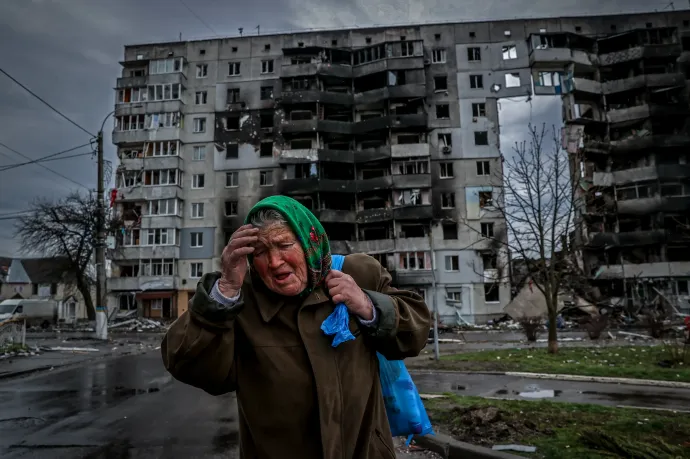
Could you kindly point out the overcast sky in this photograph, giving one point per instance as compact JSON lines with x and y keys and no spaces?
{"x":67,"y":51}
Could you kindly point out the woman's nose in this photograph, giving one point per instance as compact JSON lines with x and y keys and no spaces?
{"x":274,"y":258}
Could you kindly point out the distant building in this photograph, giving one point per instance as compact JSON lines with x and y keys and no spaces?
{"x":44,"y":278}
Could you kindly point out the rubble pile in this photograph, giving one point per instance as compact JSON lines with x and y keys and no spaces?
{"x":136,"y":324}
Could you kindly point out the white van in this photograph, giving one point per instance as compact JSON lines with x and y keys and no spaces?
{"x":35,"y":312}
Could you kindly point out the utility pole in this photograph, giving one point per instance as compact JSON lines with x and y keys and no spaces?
{"x":101,"y":309}
{"x":434,"y":308}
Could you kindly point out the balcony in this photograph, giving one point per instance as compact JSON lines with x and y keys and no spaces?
{"x":152,"y":163}
{"x":410,"y":150}
{"x":584,"y":85}
{"x":163,"y":106}
{"x":391,"y":63}
{"x":161,"y":221}
{"x":145,"y":252}
{"x":639,"y":174}
{"x":414,"y":277}
{"x":371,"y":247}
{"x":645,"y":111}
{"x":337,"y":156}
{"x":335,"y":127}
{"x":299,"y":125}
{"x":391,"y":121}
{"x":337,"y":186}
{"x":635,"y":143}
{"x":419,"y":212}
{"x":374,"y":184}
{"x":604,"y":241}
{"x":335,"y":216}
{"x":641,"y":52}
{"x":406,"y":91}
{"x":336,"y":70}
{"x":644,"y":81}
{"x":299,"y":186}
{"x":324,"y":97}
{"x":412,"y":181}
{"x":130,"y":82}
{"x":168,"y":78}
{"x":374,"y":215}
{"x":645,"y":206}
{"x":148,"y":193}
{"x":551,"y":58}
{"x":372,"y":154}
{"x":142,"y":283}
{"x":643,"y":270}
{"x":146,"y":135}
{"x":304,"y":155}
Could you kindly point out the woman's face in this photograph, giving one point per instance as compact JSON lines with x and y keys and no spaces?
{"x":279,"y":260}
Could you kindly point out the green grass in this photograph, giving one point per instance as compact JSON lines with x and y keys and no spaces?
{"x":13,"y":348}
{"x":555,"y":428}
{"x":624,"y":362}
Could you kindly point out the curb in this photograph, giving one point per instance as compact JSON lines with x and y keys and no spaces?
{"x":15,"y":374}
{"x":559,"y":377}
{"x":449,"y":448}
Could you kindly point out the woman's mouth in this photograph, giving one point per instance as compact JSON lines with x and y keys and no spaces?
{"x":281,"y":277}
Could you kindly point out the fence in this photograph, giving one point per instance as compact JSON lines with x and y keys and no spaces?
{"x":13,"y":331}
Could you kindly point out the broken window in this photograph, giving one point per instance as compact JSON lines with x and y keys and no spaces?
{"x":410,"y":197}
{"x":452,"y":263}
{"x":163,"y":207}
{"x":414,"y":261}
{"x":404,"y":139}
{"x":549,"y":79}
{"x":474,"y":54}
{"x":450,"y":231}
{"x":202,"y":70}
{"x":199,"y":125}
{"x":411,"y":231}
{"x":446,"y":170}
{"x":232,"y":151}
{"x":198,"y":181}
{"x":232,"y":122}
{"x":411,"y":167}
{"x":487,"y":230}
{"x":300,"y":115}
{"x":490,"y":261}
{"x":300,"y":144}
{"x":486,"y":199}
{"x":438,"y":56}
{"x":233,"y":68}
{"x":266,"y":92}
{"x":444,"y":140}
{"x":161,"y":148}
{"x":266,"y":150}
{"x":476,"y":81}
{"x":233,"y":96}
{"x":267,"y":66}
{"x":161,"y":177}
{"x":157,"y":267}
{"x":478,"y":110}
{"x":163,"y":120}
{"x":443,"y":111}
{"x":447,"y":200}
{"x":232,"y":179}
{"x":512,"y":80}
{"x":266,"y":178}
{"x":481,"y":137}
{"x":491,"y":293}
{"x":200,"y":97}
{"x":509,"y":52}
{"x":230,"y":208}
{"x":441,"y":83}
{"x":266,"y":120}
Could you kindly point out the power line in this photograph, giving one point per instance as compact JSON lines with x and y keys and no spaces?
{"x":199,"y":18}
{"x":44,"y":167}
{"x":47,"y":158}
{"x":46,"y":103}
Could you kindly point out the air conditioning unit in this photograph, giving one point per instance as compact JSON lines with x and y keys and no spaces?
{"x":446,"y":150}
{"x":427,"y":62}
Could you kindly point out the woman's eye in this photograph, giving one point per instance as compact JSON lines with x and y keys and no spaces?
{"x":286,"y":246}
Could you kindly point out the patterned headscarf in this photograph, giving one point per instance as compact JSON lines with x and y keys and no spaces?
{"x":309,"y":232}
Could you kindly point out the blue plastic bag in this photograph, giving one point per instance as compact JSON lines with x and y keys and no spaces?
{"x":404,"y":408}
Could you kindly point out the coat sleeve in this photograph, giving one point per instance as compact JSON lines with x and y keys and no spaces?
{"x":199,"y":347}
{"x":404,"y":320}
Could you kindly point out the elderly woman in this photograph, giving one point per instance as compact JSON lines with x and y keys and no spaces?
{"x":254,"y":328}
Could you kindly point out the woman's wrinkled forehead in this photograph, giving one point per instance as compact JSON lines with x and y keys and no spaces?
{"x":271,"y":235}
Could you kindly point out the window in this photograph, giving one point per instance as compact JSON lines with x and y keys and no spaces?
{"x":132,"y":95}
{"x":444,"y":140}
{"x":163,"y":207}
{"x":407,"y":48}
{"x":487,"y":229}
{"x":489,"y":261}
{"x":491,"y":293}
{"x":197,"y":240}
{"x":200,"y":97}
{"x":202,"y":70}
{"x":231,"y":179}
{"x":161,"y":66}
{"x":455,"y":297}
{"x":266,"y":120}
{"x":169,"y":91}
{"x":450,"y":231}
{"x":414,"y":261}
{"x":452,"y":263}
{"x":509,"y":52}
{"x":478,"y":110}
{"x":266,"y":178}
{"x":197,"y":210}
{"x":440,"y":83}
{"x":481,"y":137}
{"x":447,"y":200}
{"x":161,"y":148}
{"x":233,"y":96}
{"x":232,"y":151}
{"x":267,"y":66}
{"x":266,"y":150}
{"x":161,"y":177}
{"x":446,"y":170}
{"x":548,"y":79}
{"x":476,"y":81}
{"x":438,"y":56}
{"x":443,"y":111}
{"x":483,"y":167}
{"x":474,"y":54}
{"x":486,"y":199}
{"x":437,"y":36}
{"x":368,"y":40}
{"x":512,"y":80}
{"x":233,"y":68}
{"x":160,"y":237}
{"x":266,"y":92}
{"x":199,"y":125}
{"x":198,"y":181}
{"x":158,"y":267}
{"x":199,"y":152}
{"x":267,"y":47}
{"x":300,"y":144}
{"x":163,"y":120}
{"x":130,"y":122}
{"x":202,"y":52}
{"x":230,"y":208}
{"x":196,"y":270}
{"x":234,"y":49}
{"x":334,"y":42}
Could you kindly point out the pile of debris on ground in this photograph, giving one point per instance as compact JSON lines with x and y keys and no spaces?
{"x":130,"y":322}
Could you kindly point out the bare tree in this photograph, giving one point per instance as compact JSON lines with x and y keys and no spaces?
{"x":537,"y":199}
{"x":65,"y":228}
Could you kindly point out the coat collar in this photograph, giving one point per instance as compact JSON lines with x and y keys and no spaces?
{"x":269,"y":303}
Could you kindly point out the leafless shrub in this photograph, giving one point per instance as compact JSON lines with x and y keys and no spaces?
{"x":531,"y":326}
{"x":654,"y":320}
{"x":596,"y":325}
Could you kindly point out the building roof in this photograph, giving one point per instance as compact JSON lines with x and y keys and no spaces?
{"x":38,"y":270}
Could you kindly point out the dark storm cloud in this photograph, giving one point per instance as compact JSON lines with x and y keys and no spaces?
{"x":68,"y":52}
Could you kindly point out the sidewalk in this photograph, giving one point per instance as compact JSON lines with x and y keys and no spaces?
{"x":72,"y":351}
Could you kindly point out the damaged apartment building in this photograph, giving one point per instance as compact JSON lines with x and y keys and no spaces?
{"x":389,"y":135}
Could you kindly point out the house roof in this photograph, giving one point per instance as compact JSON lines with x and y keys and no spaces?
{"x":38,"y":270}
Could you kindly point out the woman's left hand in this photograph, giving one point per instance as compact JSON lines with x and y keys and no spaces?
{"x":344,"y":289}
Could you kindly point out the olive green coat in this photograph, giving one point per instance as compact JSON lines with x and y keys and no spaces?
{"x":298,"y":397}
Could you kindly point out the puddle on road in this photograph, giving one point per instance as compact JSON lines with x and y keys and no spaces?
{"x":538,"y":394}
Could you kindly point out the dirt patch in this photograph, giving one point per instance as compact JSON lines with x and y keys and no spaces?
{"x":488,"y":425}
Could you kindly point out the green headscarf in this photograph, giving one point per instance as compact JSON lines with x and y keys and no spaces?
{"x":309,"y":233}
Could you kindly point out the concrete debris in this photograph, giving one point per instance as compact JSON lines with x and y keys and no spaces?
{"x":634,"y":335}
{"x":518,"y":448}
{"x":73,"y":349}
{"x":431,"y":396}
{"x":137,"y":324}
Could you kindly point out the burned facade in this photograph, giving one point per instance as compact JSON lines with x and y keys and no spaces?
{"x":389,"y":135}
